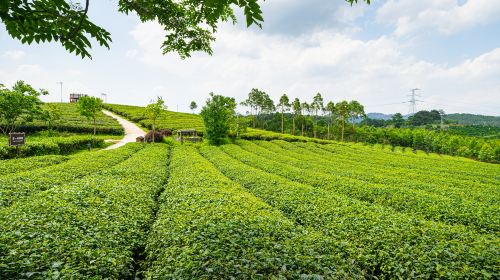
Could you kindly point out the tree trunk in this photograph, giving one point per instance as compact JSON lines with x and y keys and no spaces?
{"x":94,"y":125}
{"x":253,"y":119}
{"x":293,"y":126}
{"x":153,"y":131}
{"x":302,"y":127}
{"x":315,"y":124}
{"x":282,"y":122}
{"x":331,"y":121}
{"x":343,"y":123}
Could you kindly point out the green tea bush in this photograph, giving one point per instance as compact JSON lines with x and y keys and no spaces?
{"x":209,"y":227}
{"x":19,"y":186}
{"x":87,"y":229}
{"x":72,"y":121}
{"x":387,"y":244}
{"x":51,"y":146}
{"x":314,"y":171}
{"x":168,"y":120}
{"x":29,"y":164}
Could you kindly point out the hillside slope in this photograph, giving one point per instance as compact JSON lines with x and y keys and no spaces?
{"x":72,"y":121}
{"x":168,"y":120}
{"x":471,"y":119}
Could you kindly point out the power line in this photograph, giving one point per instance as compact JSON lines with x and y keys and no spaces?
{"x":388,"y":104}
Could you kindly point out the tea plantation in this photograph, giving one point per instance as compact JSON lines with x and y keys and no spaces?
{"x":253,"y":209}
{"x":168,"y":120}
{"x":72,"y":121}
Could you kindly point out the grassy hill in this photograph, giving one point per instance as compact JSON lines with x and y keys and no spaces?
{"x":268,"y":206}
{"x":72,"y":134}
{"x":169,"y":120}
{"x":471,"y":119}
{"x":72,"y":121}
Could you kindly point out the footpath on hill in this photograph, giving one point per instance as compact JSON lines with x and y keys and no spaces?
{"x":132,"y":131}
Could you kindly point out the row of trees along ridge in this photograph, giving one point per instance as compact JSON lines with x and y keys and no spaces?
{"x":318,"y":116}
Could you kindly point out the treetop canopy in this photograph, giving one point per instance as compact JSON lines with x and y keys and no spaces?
{"x":189,"y":25}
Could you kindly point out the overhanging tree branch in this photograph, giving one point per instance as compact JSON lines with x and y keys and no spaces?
{"x":77,"y":29}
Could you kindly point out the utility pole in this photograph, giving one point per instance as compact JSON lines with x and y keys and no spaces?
{"x":413,"y":100}
{"x":441,"y":113}
{"x":104,"y":96}
{"x":61,"y":83}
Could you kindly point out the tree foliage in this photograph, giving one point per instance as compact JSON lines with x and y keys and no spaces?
{"x":51,"y":114}
{"x":259,"y":102}
{"x":89,"y":107}
{"x":284,"y":106}
{"x":398,"y":120}
{"x":424,"y":117}
{"x":193,"y":106}
{"x":343,"y":110}
{"x":18,"y":105}
{"x":154,"y":110}
{"x":189,"y":25}
{"x":219,"y":117}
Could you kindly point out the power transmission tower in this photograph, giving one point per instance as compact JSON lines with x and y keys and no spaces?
{"x":413,"y":100}
{"x":61,"y":83}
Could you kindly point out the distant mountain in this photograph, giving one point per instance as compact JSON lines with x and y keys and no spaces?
{"x":379,"y":116}
{"x":471,"y":119}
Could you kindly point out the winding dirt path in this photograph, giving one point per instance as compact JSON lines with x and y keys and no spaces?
{"x":132,"y":131}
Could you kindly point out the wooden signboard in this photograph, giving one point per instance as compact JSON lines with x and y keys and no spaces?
{"x":17,"y":139}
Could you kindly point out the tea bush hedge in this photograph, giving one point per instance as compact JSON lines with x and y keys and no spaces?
{"x":91,"y":228}
{"x":388,"y":244}
{"x":20,"y":186}
{"x":209,"y":227}
{"x":37,"y":146}
{"x":12,"y":166}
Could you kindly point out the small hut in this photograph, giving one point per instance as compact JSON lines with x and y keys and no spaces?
{"x":190,"y":135}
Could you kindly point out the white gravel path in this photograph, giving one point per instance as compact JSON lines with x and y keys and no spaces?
{"x":132,"y":131}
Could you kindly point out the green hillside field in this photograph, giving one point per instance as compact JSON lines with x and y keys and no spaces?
{"x":71,"y":133}
{"x":253,"y":209}
{"x":168,"y":120}
{"x":72,"y":121}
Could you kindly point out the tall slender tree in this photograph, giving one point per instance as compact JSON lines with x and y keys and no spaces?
{"x":342,"y":109}
{"x":297,"y":111}
{"x":89,"y":107}
{"x":253,"y":101}
{"x":305,"y":110}
{"x":356,"y":111}
{"x":284,"y":106}
{"x":317,"y":106}
{"x":266,"y":106}
{"x":154,"y":110}
{"x":330,"y":108}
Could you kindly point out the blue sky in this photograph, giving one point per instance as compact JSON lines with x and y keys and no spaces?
{"x":375,"y":54}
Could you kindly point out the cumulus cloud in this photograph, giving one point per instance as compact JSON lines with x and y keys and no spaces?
{"x":337,"y":65}
{"x":13,"y":54}
{"x":445,"y":16}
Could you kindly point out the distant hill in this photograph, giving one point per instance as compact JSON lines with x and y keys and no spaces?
{"x":379,"y":116}
{"x":471,"y":119}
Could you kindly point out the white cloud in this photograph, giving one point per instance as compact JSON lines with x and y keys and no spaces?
{"x":445,"y":16}
{"x":340,"y":67}
{"x":14,"y":55}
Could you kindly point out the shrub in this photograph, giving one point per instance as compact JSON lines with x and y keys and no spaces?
{"x":158,"y":137}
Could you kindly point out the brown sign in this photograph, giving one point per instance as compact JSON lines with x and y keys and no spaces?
{"x":17,"y":139}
